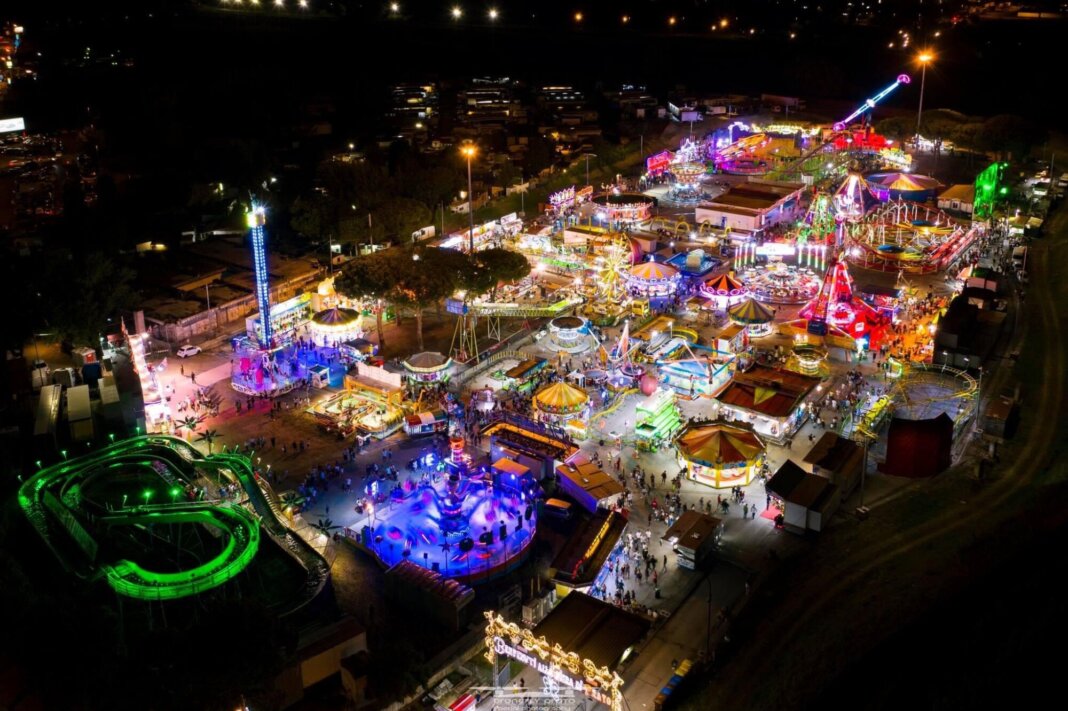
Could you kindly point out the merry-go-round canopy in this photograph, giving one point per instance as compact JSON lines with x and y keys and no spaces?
{"x":427,"y":362}
{"x":336,"y":317}
{"x":904,"y":182}
{"x":719,"y":444}
{"x":724,"y":285}
{"x":560,"y":399}
{"x":750,"y":311}
{"x":653,"y":271}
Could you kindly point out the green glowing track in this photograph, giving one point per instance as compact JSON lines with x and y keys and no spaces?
{"x":79,"y":509}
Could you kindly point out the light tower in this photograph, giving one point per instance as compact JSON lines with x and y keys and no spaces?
{"x":256,"y":218}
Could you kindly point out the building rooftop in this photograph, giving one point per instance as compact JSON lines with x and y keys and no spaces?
{"x":773,"y":392}
{"x":832,"y":452}
{"x":590,"y":478}
{"x":595,"y":630}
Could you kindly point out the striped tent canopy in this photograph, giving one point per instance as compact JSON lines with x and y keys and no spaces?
{"x":724,"y":285}
{"x":904,"y":182}
{"x":336,"y":316}
{"x":653,"y":271}
{"x":719,"y":444}
{"x":560,"y":398}
{"x":750,"y":311}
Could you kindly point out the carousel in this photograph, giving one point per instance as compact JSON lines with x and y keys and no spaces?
{"x":570,"y":334}
{"x":781,"y":283}
{"x":617,"y":209}
{"x":334,"y":326}
{"x":428,"y":368}
{"x":755,"y":316}
{"x":653,"y":279}
{"x":564,"y":405}
{"x":686,"y":189}
{"x":720,"y":454}
{"x":724,"y":290}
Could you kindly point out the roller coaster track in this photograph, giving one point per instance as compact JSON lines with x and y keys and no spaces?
{"x":62,"y":519}
{"x":898,"y":395}
{"x":560,"y":308}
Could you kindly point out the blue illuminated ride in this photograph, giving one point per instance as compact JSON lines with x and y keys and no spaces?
{"x":870,"y":103}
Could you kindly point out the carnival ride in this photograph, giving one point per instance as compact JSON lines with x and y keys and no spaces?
{"x":463,"y":522}
{"x":261,"y":366}
{"x":149,"y":516}
{"x":720,"y":454}
{"x":724,"y":290}
{"x":901,"y":185}
{"x":869,"y":104}
{"x":652,"y":279}
{"x":852,"y":199}
{"x":839,"y":313}
{"x":349,"y":413}
{"x":686,"y":187}
{"x":780,"y":283}
{"x":920,"y":391}
{"x":907,"y":236}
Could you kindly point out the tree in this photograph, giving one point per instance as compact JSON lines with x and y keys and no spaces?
{"x":209,"y":436}
{"x":425,"y":276}
{"x":87,"y":293}
{"x":503,"y":265}
{"x":313,"y":216}
{"x":400,"y":217}
{"x":369,"y":278}
{"x":189,"y":423}
{"x":325,"y":526}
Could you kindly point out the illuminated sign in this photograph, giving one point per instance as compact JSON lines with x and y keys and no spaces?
{"x":658,"y":163}
{"x":776,"y":249}
{"x":508,"y":639}
{"x":12,"y":124}
{"x":563,"y":197}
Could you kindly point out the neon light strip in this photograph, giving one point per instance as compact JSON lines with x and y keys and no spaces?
{"x":256,"y":220}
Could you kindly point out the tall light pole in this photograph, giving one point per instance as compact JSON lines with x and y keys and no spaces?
{"x":924,"y":59}
{"x":468,"y":152}
{"x":588,"y":156}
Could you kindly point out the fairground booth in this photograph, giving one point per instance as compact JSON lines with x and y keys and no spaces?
{"x":587,"y":484}
{"x":565,"y":405}
{"x":530,"y":443}
{"x":720,"y":454}
{"x":580,"y":563}
{"x":656,"y":421}
{"x":696,"y":377}
{"x":580,"y":645}
{"x":775,"y":401}
{"x":694,"y":537}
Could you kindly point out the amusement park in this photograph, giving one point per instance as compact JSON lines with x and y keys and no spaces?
{"x":764,"y":335}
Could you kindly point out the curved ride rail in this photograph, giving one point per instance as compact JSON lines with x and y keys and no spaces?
{"x":177,"y":463}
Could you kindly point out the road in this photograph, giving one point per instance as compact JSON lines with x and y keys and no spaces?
{"x":861,"y":582}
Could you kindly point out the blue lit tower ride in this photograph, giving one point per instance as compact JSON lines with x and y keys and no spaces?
{"x":256,"y":219}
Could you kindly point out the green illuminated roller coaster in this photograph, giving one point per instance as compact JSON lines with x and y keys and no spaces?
{"x":156,"y":519}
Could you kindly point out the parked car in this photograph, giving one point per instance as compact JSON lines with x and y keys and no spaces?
{"x":188,"y":350}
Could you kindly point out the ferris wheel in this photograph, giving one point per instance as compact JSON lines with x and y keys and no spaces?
{"x":614,"y":257}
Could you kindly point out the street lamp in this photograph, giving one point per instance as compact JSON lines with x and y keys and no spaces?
{"x":587,"y":156}
{"x":457,"y":12}
{"x":493,"y":13}
{"x":924,"y":59}
{"x":468,"y":151}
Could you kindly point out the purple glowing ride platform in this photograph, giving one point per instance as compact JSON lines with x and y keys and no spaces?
{"x":467,"y":524}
